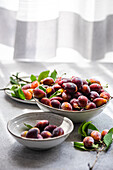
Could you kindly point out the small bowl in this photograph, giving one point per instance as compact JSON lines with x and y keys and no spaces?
{"x":75,"y":116}
{"x":16,"y":126}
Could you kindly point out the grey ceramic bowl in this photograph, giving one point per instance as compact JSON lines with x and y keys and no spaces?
{"x":16,"y":126}
{"x":75,"y":116}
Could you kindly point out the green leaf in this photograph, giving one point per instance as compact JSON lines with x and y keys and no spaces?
{"x":108,"y":140}
{"x":14,"y":87}
{"x":17,"y":74}
{"x":13,"y":94}
{"x":42,"y":88}
{"x":33,"y":78}
{"x":110,"y":131}
{"x":43,"y":75}
{"x":89,"y":82}
{"x":80,"y":146}
{"x":28,"y":126}
{"x":13,"y":81}
{"x":54,"y":75}
{"x":57,"y":93}
{"x":85,"y":129}
{"x":18,"y":93}
{"x":92,"y":127}
{"x":80,"y":128}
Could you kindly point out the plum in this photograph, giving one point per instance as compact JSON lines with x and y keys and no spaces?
{"x":32,"y":133}
{"x":38,"y":93}
{"x":96,"y":135}
{"x":58,"y":132}
{"x":46,"y":101}
{"x":56,"y":104}
{"x":90,"y":105}
{"x":78,"y":81}
{"x":66,"y":106}
{"x":46,"y":134}
{"x":88,"y":142}
{"x":99,"y":101}
{"x":105,"y":95}
{"x":82,"y":101}
{"x":50,"y":128}
{"x":70,"y":87}
{"x":66,"y":96}
{"x":42,"y":124}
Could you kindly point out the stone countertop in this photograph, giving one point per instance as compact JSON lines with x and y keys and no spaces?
{"x":65,"y":156}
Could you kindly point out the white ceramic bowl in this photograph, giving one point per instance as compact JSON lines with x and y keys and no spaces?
{"x":16,"y":126}
{"x":75,"y":116}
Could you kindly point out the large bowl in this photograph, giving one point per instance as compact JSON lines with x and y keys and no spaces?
{"x":16,"y":127}
{"x":75,"y":116}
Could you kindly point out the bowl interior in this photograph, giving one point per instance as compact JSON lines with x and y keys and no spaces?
{"x":16,"y":125}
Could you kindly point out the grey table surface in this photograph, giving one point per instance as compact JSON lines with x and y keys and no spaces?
{"x":63,"y":157}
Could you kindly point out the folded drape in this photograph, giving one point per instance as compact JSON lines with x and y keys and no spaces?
{"x":36,"y":29}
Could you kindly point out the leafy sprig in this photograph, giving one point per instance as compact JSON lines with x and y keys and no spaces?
{"x":102,"y":145}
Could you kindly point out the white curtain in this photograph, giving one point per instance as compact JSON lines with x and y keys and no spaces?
{"x":36,"y":29}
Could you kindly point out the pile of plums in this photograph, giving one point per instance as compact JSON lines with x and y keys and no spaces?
{"x":95,"y":137}
{"x":43,"y":130}
{"x":73,"y":93}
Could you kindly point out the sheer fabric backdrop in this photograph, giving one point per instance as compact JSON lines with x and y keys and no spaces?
{"x":36,"y":29}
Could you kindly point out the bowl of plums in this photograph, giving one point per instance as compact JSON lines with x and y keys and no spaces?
{"x":40,"y":130}
{"x":74,"y":97}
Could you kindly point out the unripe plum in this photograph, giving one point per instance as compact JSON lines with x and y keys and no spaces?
{"x":46,"y":134}
{"x":66,"y":106}
{"x":58,"y":132}
{"x":99,"y":101}
{"x":56,"y":104}
{"x":34,"y":84}
{"x":70,"y":87}
{"x":28,"y":94}
{"x":50,"y":128}
{"x":104,"y":132}
{"x":82,"y":101}
{"x":88,"y":142}
{"x":96,"y":135}
{"x":32,"y":133}
{"x":46,"y":101}
{"x":42,"y":124}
